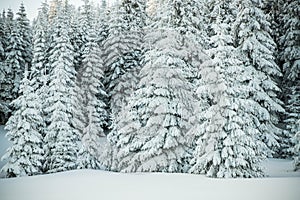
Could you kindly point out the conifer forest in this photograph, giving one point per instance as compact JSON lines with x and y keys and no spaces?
{"x":178,"y":86}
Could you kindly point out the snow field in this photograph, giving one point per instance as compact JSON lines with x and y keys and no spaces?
{"x":91,"y":184}
{"x":280,"y":168}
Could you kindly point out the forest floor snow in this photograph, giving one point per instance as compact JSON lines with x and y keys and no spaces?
{"x":281,"y":183}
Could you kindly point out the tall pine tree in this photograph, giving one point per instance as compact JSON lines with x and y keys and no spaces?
{"x":123,"y":51}
{"x":252,"y":37}
{"x":90,"y":79}
{"x":296,"y":148}
{"x":25,"y":129}
{"x":153,"y":138}
{"x":12,"y":66}
{"x":4,"y":108}
{"x":228,"y":145}
{"x":25,"y":33}
{"x":40,"y":49}
{"x":62,"y":135}
{"x":290,"y":57}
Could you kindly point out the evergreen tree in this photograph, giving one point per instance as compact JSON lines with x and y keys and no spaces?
{"x":153,"y":135}
{"x":293,"y":116}
{"x":3,"y":37}
{"x":25,"y":129}
{"x":62,"y":135}
{"x":76,"y":39}
{"x":24,"y":30}
{"x":289,"y":41}
{"x":252,"y":37}
{"x":9,"y":21}
{"x":296,"y":149}
{"x":39,"y":71}
{"x":273,"y":10}
{"x":188,"y":18}
{"x":40,"y":48}
{"x":122,"y":51}
{"x":4,"y":108}
{"x":228,"y":145}
{"x":80,"y":27}
{"x":95,"y":115}
{"x":102,"y":16}
{"x":118,"y":151}
{"x":6,"y":72}
{"x":14,"y":66}
{"x":290,"y":57}
{"x":17,"y":53}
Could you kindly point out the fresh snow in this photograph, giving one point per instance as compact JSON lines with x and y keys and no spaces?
{"x":275,"y":168}
{"x":92,"y":184}
{"x":282,"y":183}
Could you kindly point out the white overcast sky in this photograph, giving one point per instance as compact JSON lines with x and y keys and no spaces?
{"x":32,"y":6}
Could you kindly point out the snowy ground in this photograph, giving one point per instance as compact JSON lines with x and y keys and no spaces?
{"x":282,"y":184}
{"x":89,"y":184}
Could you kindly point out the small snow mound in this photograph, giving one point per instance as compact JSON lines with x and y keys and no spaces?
{"x":280,"y":168}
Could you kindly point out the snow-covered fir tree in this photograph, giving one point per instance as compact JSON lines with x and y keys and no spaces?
{"x":39,"y":70}
{"x":290,"y":41}
{"x":293,"y":116}
{"x":39,"y":73}
{"x":25,"y":129}
{"x":102,"y":16}
{"x":11,"y":41}
{"x":16,"y":44}
{"x":80,"y":25}
{"x":296,"y":148}
{"x":126,"y":125}
{"x":273,"y":10}
{"x":14,"y":65}
{"x":24,"y":30}
{"x":190,"y":20}
{"x":187,"y":17}
{"x":290,"y":57}
{"x":292,"y":106}
{"x":123,"y":51}
{"x":93,"y":94}
{"x":62,"y":136}
{"x":76,"y":38}
{"x":252,"y":37}
{"x":151,"y":136}
{"x":113,"y":46}
{"x":291,"y":67}
{"x":3,"y":42}
{"x":9,"y":20}
{"x":228,"y":144}
{"x":4,"y":108}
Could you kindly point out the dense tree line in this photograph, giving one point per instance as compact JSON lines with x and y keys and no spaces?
{"x":207,"y":87}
